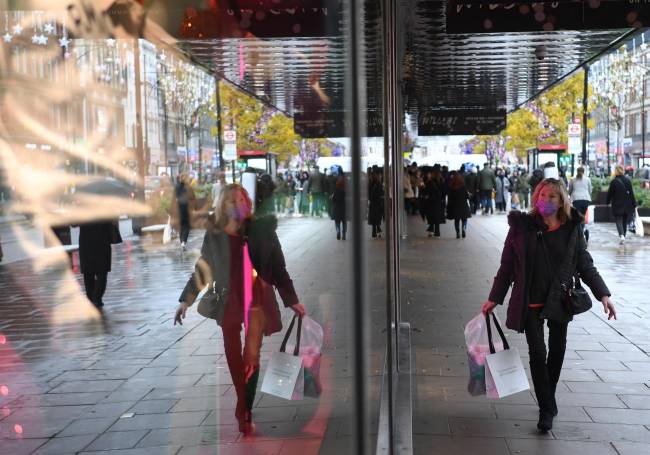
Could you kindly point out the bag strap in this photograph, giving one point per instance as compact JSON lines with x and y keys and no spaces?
{"x":283,"y":346}
{"x":489,"y":331}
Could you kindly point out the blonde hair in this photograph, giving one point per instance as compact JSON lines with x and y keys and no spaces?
{"x":220,"y":217}
{"x":619,"y":170}
{"x":564,"y":212}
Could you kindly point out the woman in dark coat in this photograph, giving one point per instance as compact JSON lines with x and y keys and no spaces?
{"x":95,"y":257}
{"x":375,"y":204}
{"x":543,"y":250}
{"x":339,"y":208}
{"x":303,"y":199}
{"x":431,"y":206}
{"x":457,"y":204}
{"x":225,"y":269}
{"x":621,"y":197}
{"x":185,"y":206}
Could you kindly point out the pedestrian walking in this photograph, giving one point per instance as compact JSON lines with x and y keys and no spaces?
{"x":291,"y":194}
{"x":185,"y":206}
{"x":303,"y":203}
{"x":375,"y":204}
{"x":457,"y":205}
{"x":487,"y":183}
{"x":431,"y":196}
{"x":580,"y":192}
{"x":240,"y":250}
{"x":523,"y":190}
{"x":471,"y":184}
{"x":316,"y":188}
{"x":501,"y":187}
{"x":621,"y":197}
{"x":339,"y":213}
{"x":280,"y":195}
{"x":95,"y":253}
{"x":409,"y":194}
{"x":544,"y":250}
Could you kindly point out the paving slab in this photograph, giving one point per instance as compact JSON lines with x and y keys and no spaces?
{"x":554,"y":447}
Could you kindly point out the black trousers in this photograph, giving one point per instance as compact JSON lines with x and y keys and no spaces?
{"x":185,"y":230}
{"x":621,"y":224}
{"x":544,"y":369}
{"x":95,"y":284}
{"x":376,"y":229}
{"x":457,"y":224}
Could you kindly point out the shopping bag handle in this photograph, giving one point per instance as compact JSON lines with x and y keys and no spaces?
{"x":283,"y":346}
{"x":489,"y":331}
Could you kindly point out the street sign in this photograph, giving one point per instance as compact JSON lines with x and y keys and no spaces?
{"x":575,"y":129}
{"x":575,"y":145}
{"x":230,"y":145}
{"x":499,"y":16}
{"x":443,"y":122}
{"x":230,"y":152}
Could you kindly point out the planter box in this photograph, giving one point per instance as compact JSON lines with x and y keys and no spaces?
{"x":601,"y":199}
{"x":644,"y":211}
{"x":603,"y":214}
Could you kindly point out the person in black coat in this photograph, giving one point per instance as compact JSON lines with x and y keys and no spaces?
{"x":544,"y":250}
{"x":431,"y":201}
{"x":95,"y":257}
{"x":457,"y":204}
{"x":471,"y":184}
{"x":339,"y":208}
{"x":375,"y":204}
{"x":621,"y":196}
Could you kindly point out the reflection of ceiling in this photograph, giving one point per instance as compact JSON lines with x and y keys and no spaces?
{"x":438,"y":70}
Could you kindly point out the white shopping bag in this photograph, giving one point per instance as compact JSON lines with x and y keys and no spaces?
{"x":504,"y":372}
{"x":167,"y":232}
{"x":285,"y":375}
{"x":638,"y":223}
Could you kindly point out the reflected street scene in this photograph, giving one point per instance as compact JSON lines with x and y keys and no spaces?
{"x":283,"y":227}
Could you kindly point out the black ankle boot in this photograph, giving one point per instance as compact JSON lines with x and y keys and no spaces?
{"x":457,"y":234}
{"x":545,"y":422}
{"x":463,"y":233}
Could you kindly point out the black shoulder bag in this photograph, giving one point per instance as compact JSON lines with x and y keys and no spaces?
{"x":574,"y":297}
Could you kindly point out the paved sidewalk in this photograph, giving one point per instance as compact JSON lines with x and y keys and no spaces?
{"x":604,"y":393}
{"x":133,"y":384}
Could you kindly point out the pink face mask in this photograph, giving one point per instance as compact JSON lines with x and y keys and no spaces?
{"x":239,"y":213}
{"x":546,"y":208}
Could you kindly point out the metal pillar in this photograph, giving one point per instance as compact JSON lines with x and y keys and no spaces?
{"x":389,"y":87}
{"x":609,"y":164}
{"x":585,"y":100}
{"x":219,"y":125}
{"x":355,"y":88}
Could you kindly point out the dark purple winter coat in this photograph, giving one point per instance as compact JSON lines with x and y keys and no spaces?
{"x":518,"y":250}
